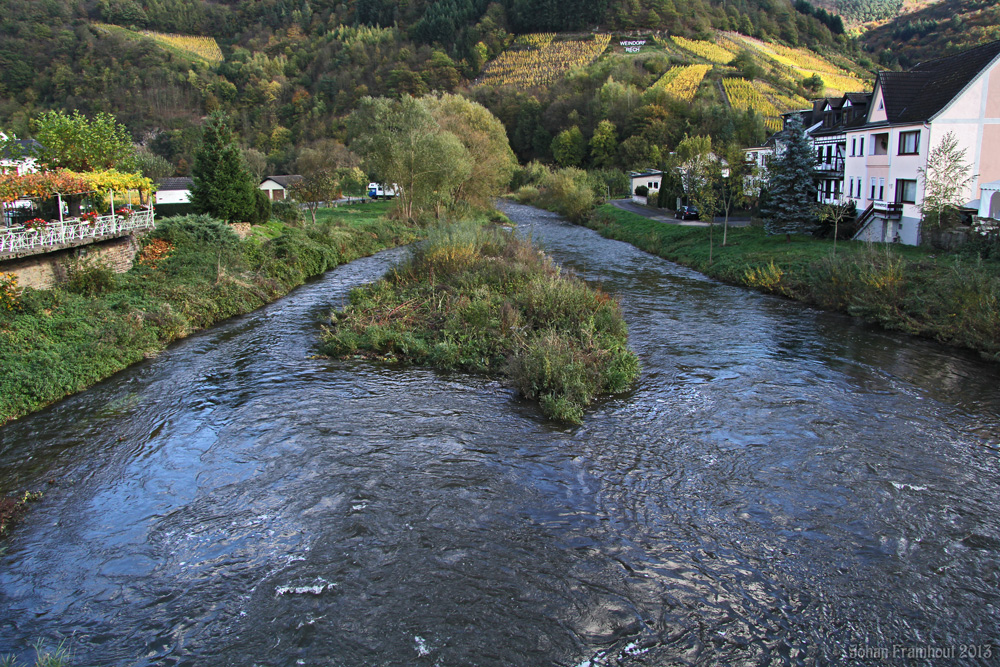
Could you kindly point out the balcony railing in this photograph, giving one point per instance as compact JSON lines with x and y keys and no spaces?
{"x":21,"y":240}
{"x":835,"y":164}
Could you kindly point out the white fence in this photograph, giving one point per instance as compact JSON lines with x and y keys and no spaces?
{"x":14,"y":240}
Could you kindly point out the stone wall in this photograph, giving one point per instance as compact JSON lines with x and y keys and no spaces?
{"x":47,"y":270}
{"x":242,"y":229}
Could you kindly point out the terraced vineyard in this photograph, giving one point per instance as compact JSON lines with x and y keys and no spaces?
{"x":187,"y":46}
{"x":707,"y":50}
{"x":683,"y":81}
{"x":762,"y":98}
{"x":796,"y":64}
{"x":537,"y":60}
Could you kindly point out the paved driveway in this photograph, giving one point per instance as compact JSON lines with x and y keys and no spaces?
{"x":667,"y":216}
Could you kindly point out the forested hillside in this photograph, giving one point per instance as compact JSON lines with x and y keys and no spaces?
{"x":288,"y":71}
{"x":937,"y":30}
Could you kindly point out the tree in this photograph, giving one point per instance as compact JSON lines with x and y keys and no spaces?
{"x":791,"y":205}
{"x":837,"y":214}
{"x":222,"y":186}
{"x":485,"y":139}
{"x":604,"y":144}
{"x":569,"y":147}
{"x":79,"y":143}
{"x":402,"y":144}
{"x":151,"y":165}
{"x":323,"y":185}
{"x":738,"y":174}
{"x":814,"y":84}
{"x":946,"y":181}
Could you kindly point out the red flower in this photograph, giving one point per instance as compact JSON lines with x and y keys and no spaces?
{"x":35,"y":223}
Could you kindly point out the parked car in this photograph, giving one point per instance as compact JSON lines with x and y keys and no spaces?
{"x":687,"y":213}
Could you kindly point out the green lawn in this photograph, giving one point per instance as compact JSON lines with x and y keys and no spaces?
{"x":951,"y":297}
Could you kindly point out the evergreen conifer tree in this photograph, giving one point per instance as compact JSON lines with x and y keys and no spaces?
{"x":791,"y":202}
{"x":222,"y":185}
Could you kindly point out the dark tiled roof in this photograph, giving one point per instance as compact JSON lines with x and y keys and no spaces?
{"x":918,"y":94}
{"x":174,"y":183}
{"x":24,"y":148}
{"x":284,"y":181}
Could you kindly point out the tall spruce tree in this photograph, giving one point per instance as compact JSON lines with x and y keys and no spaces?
{"x":791,"y":196}
{"x":222,"y":185}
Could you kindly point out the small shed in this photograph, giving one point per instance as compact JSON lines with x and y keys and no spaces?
{"x":175,"y":190}
{"x":651,"y":178}
{"x":277,"y":187}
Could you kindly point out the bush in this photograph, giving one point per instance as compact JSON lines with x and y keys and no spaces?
{"x":289,"y":212}
{"x":642,"y":191}
{"x":484,"y":300}
{"x":261,"y":208}
{"x":89,"y":277}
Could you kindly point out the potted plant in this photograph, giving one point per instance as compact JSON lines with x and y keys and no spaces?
{"x":90,"y":217}
{"x":35,"y":223}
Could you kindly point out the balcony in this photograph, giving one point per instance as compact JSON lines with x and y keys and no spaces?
{"x":834,"y":165}
{"x":20,"y":240}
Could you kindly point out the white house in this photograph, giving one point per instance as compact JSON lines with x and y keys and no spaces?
{"x":650,"y":178}
{"x":910,"y":114}
{"x":277,"y":187}
{"x":19,"y":157}
{"x":176,"y":190}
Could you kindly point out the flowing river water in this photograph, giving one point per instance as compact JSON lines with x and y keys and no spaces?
{"x":783,"y":486}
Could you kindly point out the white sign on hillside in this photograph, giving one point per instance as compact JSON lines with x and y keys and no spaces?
{"x":632,"y":45}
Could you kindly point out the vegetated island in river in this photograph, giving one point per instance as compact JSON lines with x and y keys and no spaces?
{"x":950,"y":297}
{"x":480,"y":299}
{"x":191,"y":273}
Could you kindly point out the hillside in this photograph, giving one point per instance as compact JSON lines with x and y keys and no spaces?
{"x":288,"y":71}
{"x":936,"y":30}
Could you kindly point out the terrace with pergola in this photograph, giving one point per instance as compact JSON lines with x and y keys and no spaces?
{"x":21,"y":236}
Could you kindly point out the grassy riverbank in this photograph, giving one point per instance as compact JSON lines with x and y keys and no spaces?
{"x":481,"y":299}
{"x":952,"y":298}
{"x":192,"y":273}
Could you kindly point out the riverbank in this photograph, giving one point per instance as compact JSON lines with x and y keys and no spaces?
{"x":950,"y":298}
{"x":192,"y":273}
{"x":483,"y":300}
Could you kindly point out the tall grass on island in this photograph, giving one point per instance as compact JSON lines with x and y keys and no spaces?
{"x":192,"y":272}
{"x":480,"y":299}
{"x":953,"y":298}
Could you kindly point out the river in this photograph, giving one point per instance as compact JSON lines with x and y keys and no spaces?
{"x":784,"y":486}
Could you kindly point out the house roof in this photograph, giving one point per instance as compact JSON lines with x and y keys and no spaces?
{"x":25,"y":148}
{"x":645,"y":172}
{"x":920,"y":93}
{"x":174,"y":183}
{"x":284,"y":181}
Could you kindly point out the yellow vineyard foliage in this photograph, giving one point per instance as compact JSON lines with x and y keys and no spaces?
{"x":541,"y":64}
{"x":189,"y":46}
{"x":797,"y":63}
{"x":683,"y":81}
{"x":762,"y":98}
{"x":707,"y":50}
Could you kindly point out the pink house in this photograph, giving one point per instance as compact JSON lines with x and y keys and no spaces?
{"x":909,"y":114}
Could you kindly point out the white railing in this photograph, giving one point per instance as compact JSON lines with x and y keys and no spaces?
{"x":72,"y":232}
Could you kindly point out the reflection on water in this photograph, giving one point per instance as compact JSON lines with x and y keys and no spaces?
{"x":783,"y":486}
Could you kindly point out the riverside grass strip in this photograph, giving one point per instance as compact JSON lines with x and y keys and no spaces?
{"x":952,"y":298}
{"x":57,"y":342}
{"x":483,"y":300}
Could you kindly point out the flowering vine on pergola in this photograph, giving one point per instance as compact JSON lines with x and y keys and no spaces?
{"x":48,"y":184}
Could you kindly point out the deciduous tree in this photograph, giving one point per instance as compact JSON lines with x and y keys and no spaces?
{"x":946,"y":179}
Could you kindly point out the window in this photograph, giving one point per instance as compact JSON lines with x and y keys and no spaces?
{"x":909,"y":142}
{"x":906,"y":191}
{"x":880,"y":143}
{"x":854,"y":145}
{"x":861,"y":151}
{"x":873,"y":188}
{"x":819,"y":154}
{"x":881,"y":189}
